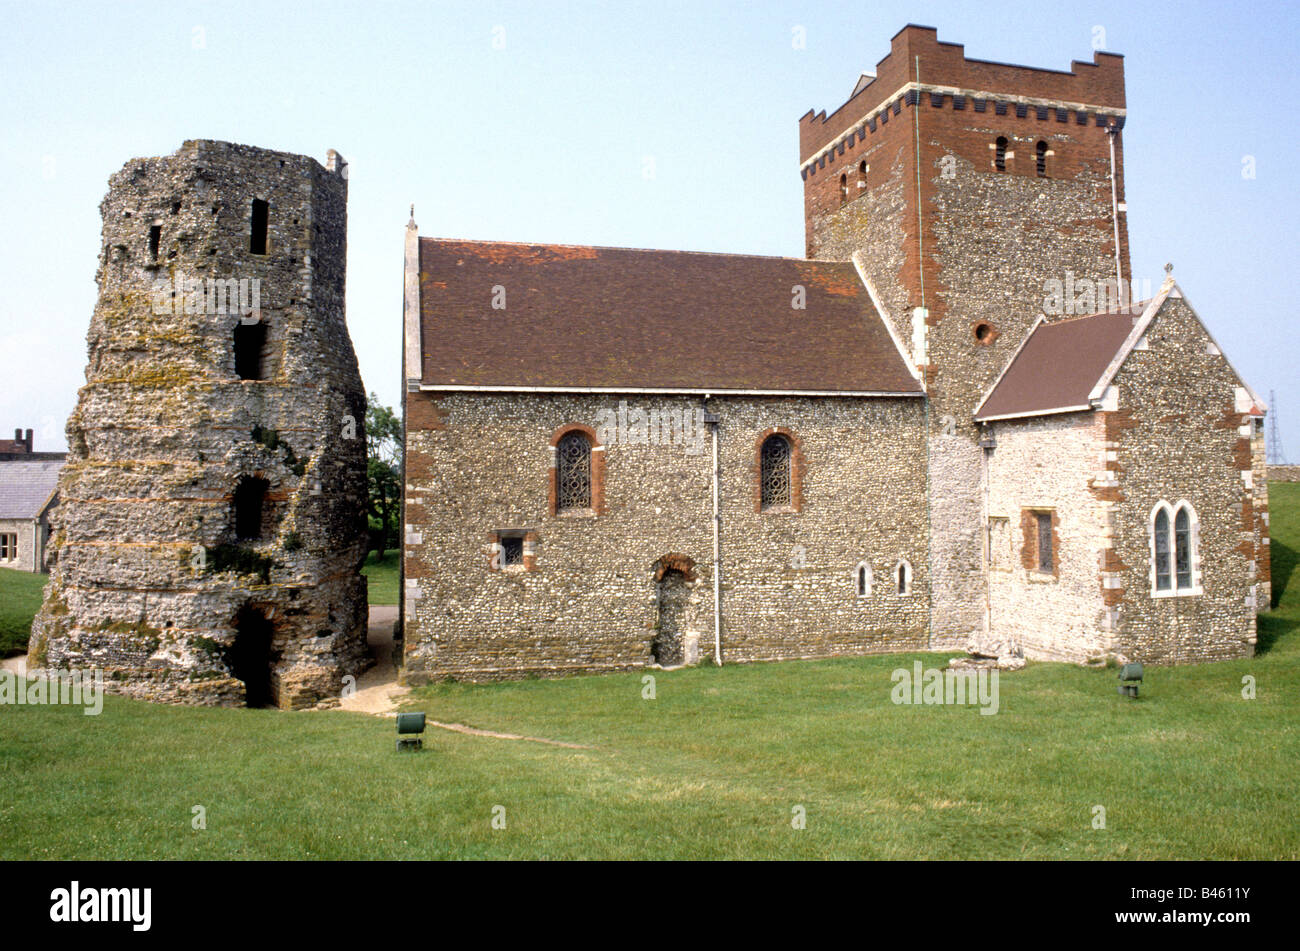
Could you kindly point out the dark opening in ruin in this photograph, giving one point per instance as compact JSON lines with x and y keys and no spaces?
{"x":249,"y":657}
{"x":155,"y":235}
{"x":250,"y":501}
{"x":1000,"y":156}
{"x":250,"y":342}
{"x":257,"y":235}
{"x":1041,"y":151}
{"x":674,"y":598}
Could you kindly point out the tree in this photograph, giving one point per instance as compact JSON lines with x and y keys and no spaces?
{"x":383,"y":473}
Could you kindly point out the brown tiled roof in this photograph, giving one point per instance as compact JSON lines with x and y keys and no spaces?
{"x":12,"y":445}
{"x":1058,"y":365}
{"x":623,"y":317}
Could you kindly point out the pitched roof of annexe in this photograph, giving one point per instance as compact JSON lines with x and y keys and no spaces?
{"x":1058,"y":366}
{"x":26,"y":487}
{"x":580,"y":317}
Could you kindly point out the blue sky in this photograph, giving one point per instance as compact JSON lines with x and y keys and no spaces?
{"x":534,"y":122}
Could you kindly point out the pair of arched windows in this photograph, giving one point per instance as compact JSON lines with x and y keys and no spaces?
{"x":901,"y":576}
{"x":1175,"y":561}
{"x":575,"y":473}
{"x":1040,"y":156}
{"x":844,"y":182}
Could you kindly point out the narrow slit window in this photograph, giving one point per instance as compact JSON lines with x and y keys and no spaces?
{"x":844,"y":188}
{"x":250,"y":346}
{"x":862,"y":579}
{"x":1000,"y":155}
{"x":155,"y":236}
{"x":258,"y":225}
{"x":1041,"y":153}
{"x":250,"y":505}
{"x":903,"y":577}
{"x":1045,"y":554}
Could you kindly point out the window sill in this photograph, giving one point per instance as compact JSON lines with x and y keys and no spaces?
{"x":778,"y":510}
{"x":1041,"y":577}
{"x":1195,"y":592}
{"x":576,"y":513}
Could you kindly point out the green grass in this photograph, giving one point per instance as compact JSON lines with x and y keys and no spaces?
{"x":382,"y":577}
{"x":20,"y":599}
{"x":711,"y":768}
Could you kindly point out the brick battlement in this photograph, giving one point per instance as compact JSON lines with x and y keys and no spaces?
{"x":1088,"y":92}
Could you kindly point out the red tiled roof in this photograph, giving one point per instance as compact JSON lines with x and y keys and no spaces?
{"x":623,"y":317}
{"x":1058,"y":366}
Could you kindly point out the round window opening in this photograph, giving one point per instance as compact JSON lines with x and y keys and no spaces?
{"x":983,"y":333}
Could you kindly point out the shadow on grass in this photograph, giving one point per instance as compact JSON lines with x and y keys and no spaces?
{"x":1270,"y":628}
{"x":1282,"y":567}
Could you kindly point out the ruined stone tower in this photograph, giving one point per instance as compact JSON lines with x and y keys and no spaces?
{"x":959,"y":187}
{"x":211,"y":527}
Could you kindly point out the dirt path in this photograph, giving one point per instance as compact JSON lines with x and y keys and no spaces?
{"x":377,"y":689}
{"x":462,"y":728}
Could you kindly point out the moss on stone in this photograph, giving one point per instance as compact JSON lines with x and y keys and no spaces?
{"x":241,"y":560}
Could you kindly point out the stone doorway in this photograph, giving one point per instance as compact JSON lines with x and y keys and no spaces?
{"x":249,"y":657}
{"x":674,"y":599}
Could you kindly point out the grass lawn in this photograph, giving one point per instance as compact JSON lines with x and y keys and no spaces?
{"x":382,"y":577}
{"x":20,"y":599}
{"x":712,"y":768}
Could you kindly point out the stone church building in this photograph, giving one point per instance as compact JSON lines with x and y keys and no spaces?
{"x":950,"y":424}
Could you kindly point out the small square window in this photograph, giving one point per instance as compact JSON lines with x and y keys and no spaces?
{"x":512,"y":549}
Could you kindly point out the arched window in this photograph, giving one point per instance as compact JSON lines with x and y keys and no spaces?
{"x":844,"y":188}
{"x":1182,"y":548}
{"x":250,"y":500}
{"x":903,"y":577}
{"x":1000,"y":155}
{"x":573,"y":473}
{"x":862,"y":579}
{"x":1174,"y":568}
{"x":1040,"y":151}
{"x":862,"y":176}
{"x":1164,"y":577}
{"x":250,"y":342}
{"x":775,"y":475}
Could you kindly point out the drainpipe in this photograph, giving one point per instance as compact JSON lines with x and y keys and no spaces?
{"x":1111,"y":132}
{"x":711,"y":420}
{"x":987,"y":444}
